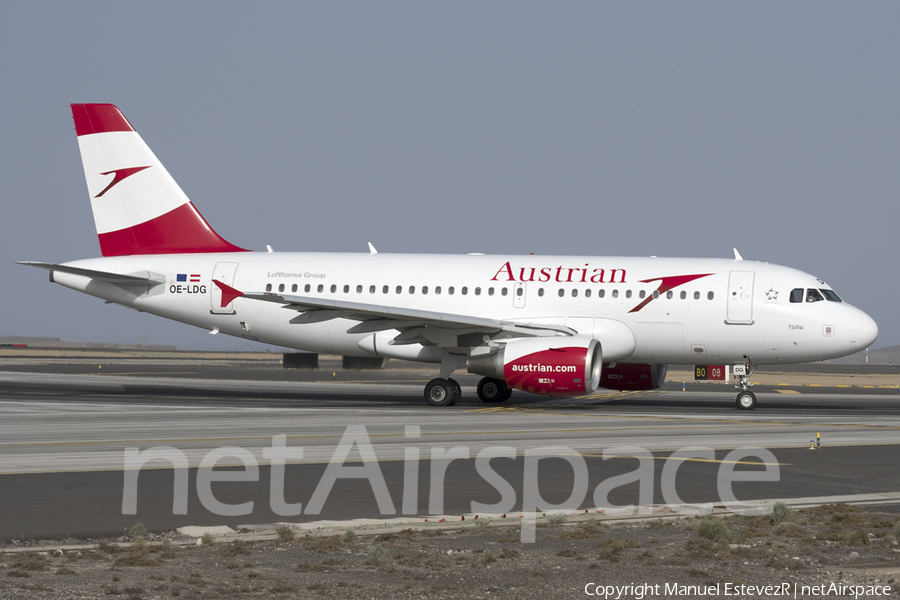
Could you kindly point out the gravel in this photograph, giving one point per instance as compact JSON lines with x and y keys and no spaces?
{"x":833,"y":544}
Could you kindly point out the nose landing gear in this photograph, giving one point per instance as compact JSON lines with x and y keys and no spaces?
{"x":746,"y":400}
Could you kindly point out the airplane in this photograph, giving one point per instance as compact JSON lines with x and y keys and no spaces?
{"x":553,"y":325}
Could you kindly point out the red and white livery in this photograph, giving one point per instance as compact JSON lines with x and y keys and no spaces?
{"x":556,"y":325}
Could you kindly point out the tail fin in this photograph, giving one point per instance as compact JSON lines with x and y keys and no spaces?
{"x":138,"y":207}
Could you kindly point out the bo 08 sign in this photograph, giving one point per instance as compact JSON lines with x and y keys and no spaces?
{"x":709,"y":373}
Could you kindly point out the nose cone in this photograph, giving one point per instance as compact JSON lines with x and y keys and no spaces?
{"x":863,"y":330}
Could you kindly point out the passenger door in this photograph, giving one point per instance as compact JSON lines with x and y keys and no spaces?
{"x":740,"y":297}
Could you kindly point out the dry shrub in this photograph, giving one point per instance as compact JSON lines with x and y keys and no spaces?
{"x":715,"y":529}
{"x":327,"y":545}
{"x":236,"y":548}
{"x":791,"y":530}
{"x":30,"y":562}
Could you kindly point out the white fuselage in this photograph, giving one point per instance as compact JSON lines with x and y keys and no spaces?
{"x":707,"y":311}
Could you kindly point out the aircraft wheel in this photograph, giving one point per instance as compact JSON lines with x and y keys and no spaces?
{"x":457,"y":392}
{"x":746,"y":401}
{"x":440,"y":392}
{"x":493,"y":390}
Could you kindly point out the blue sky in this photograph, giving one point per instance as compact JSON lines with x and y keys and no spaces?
{"x":669,"y":129}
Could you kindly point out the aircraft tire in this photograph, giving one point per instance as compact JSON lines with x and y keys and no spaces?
{"x":457,"y":392}
{"x":745,"y":401}
{"x":440,"y":392}
{"x":493,"y":390}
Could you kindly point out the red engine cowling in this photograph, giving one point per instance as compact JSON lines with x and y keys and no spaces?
{"x":633,"y":377}
{"x":553,"y":366}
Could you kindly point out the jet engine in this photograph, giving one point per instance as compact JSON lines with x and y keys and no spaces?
{"x":553,"y":366}
{"x":624,"y":376}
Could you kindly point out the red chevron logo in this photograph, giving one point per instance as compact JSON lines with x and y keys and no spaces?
{"x":120,"y":174}
{"x":666,"y":284}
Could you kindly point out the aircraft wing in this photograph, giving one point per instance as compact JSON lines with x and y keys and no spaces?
{"x":144,"y":278}
{"x":380,"y":317}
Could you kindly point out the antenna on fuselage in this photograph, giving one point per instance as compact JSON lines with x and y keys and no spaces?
{"x":737,"y":255}
{"x":372,"y":249}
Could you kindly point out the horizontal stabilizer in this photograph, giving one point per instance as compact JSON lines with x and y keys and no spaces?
{"x":118,"y":278}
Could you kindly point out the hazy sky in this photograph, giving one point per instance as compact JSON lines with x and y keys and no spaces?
{"x":628,"y":128}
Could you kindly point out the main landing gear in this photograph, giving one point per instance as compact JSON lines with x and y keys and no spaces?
{"x":746,"y":400}
{"x":446,"y":392}
{"x":442,"y":392}
{"x":493,"y":390}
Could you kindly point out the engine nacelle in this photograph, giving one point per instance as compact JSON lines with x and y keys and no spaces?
{"x":553,"y":366}
{"x":633,"y":377}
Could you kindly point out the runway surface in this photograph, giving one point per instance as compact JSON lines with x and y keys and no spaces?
{"x":64,"y":436}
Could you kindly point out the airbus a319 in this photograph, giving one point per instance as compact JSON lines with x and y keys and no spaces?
{"x":555,"y":325}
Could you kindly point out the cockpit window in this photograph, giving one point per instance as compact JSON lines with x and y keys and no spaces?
{"x":813,"y":295}
{"x":797,"y":295}
{"x":830,"y":295}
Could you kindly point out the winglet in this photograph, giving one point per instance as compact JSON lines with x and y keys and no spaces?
{"x":228,"y":292}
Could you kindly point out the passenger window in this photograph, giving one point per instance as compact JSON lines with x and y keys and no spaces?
{"x":601,"y":293}
{"x":294,"y":288}
{"x":478,"y":291}
{"x":540,"y":291}
{"x":333,"y":288}
{"x":587,"y":293}
{"x":628,"y":293}
{"x":424,"y":289}
{"x":683,"y":295}
{"x":359,"y":289}
{"x":280,"y":287}
{"x":412,"y":289}
{"x":450,"y":290}
{"x":346,"y":289}
{"x":490,"y":291}
{"x":437,"y":290}
{"x":399,"y":289}
{"x":642,"y":293}
{"x":321,"y":288}
{"x":655,"y":294}
{"x":371,"y":289}
{"x":696,"y":295}
{"x":502,"y":291}
{"x":268,"y":287}
{"x":797,"y":295}
{"x":574,"y":293}
{"x":830,"y":295}
{"x":710,"y":296}
{"x":813,"y":295}
{"x":615,"y":294}
{"x":385,"y":289}
{"x":464,"y":290}
{"x":669,"y":294}
{"x":562,"y":292}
